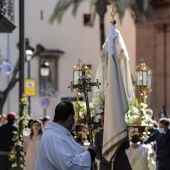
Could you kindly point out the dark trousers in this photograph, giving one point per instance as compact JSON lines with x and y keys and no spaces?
{"x":161,"y":166}
{"x":163,"y":163}
{"x":104,"y":166}
{"x":122,"y":164}
{"x":5,"y":163}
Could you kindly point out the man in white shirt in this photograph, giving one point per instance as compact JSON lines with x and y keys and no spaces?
{"x":58,"y":150}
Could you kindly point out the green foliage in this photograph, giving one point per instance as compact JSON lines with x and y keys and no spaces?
{"x":80,"y":109}
{"x":122,"y":6}
{"x":17,"y":155}
{"x":139,"y":114}
{"x":138,"y":8}
{"x":133,"y":114}
{"x":141,"y":8}
{"x":62,"y":7}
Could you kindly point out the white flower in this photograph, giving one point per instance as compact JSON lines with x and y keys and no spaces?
{"x":21,"y":165}
{"x":97,"y":118}
{"x":134,"y":113}
{"x":14,"y":165}
{"x":22,"y":153}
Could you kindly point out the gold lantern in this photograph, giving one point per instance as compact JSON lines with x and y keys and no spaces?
{"x":143,"y":80}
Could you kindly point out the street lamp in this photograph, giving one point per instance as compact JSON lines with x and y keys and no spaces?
{"x":44,"y":71}
{"x":29,"y":54}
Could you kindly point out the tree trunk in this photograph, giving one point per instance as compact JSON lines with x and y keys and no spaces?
{"x":2,"y":101}
{"x":101,"y":9}
{"x":4,"y":94}
{"x":102,"y":31}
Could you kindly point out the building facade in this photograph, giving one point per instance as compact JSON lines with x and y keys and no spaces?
{"x":153,"y":39}
{"x":77,"y":40}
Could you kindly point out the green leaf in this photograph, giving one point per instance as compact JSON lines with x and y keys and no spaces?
{"x":76,"y":5}
{"x":61,"y":7}
{"x":122,"y":6}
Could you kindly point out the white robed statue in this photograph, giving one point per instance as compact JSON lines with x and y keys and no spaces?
{"x":116,"y":85}
{"x":101,"y":73}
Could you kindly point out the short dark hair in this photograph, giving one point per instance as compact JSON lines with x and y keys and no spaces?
{"x":29,"y":123}
{"x":164,"y":121}
{"x":44,"y":119}
{"x":135,"y":139}
{"x":63,"y":110}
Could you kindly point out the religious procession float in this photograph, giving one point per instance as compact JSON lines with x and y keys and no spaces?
{"x":126,"y":113}
{"x":137,"y":115}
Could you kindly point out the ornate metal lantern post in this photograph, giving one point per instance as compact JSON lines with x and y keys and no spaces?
{"x":143,"y":81}
{"x":76,"y":76}
{"x":85,"y":85}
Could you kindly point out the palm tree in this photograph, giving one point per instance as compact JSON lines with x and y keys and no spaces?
{"x":138,"y":8}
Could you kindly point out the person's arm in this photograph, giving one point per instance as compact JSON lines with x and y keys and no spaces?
{"x":63,"y":157}
{"x":126,"y":144}
{"x":151,"y":138}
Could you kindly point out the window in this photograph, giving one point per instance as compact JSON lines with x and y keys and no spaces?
{"x":48,"y":85}
{"x":87,"y":19}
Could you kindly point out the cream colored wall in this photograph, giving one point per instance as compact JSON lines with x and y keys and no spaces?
{"x":78,"y":42}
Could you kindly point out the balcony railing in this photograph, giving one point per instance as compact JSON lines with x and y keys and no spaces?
{"x":6,"y":15}
{"x":7,"y":9}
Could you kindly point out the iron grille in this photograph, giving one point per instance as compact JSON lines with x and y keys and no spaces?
{"x":7,"y":9}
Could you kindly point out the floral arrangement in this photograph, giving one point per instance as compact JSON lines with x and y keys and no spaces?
{"x":99,"y":104}
{"x":139,"y":115}
{"x":17,"y":155}
{"x":81,"y":111}
{"x":80,"y":108}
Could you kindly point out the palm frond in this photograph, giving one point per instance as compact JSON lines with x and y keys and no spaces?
{"x":76,"y":5}
{"x":59,"y":10}
{"x":147,"y":9}
{"x":122,"y":6}
{"x":141,"y":8}
{"x":62,"y":7}
{"x":136,"y":13}
{"x":101,"y":7}
{"x":93,"y":15}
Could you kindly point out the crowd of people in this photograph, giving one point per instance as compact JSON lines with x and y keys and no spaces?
{"x":49,"y":145}
{"x":32,"y":137}
{"x":7,"y":130}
